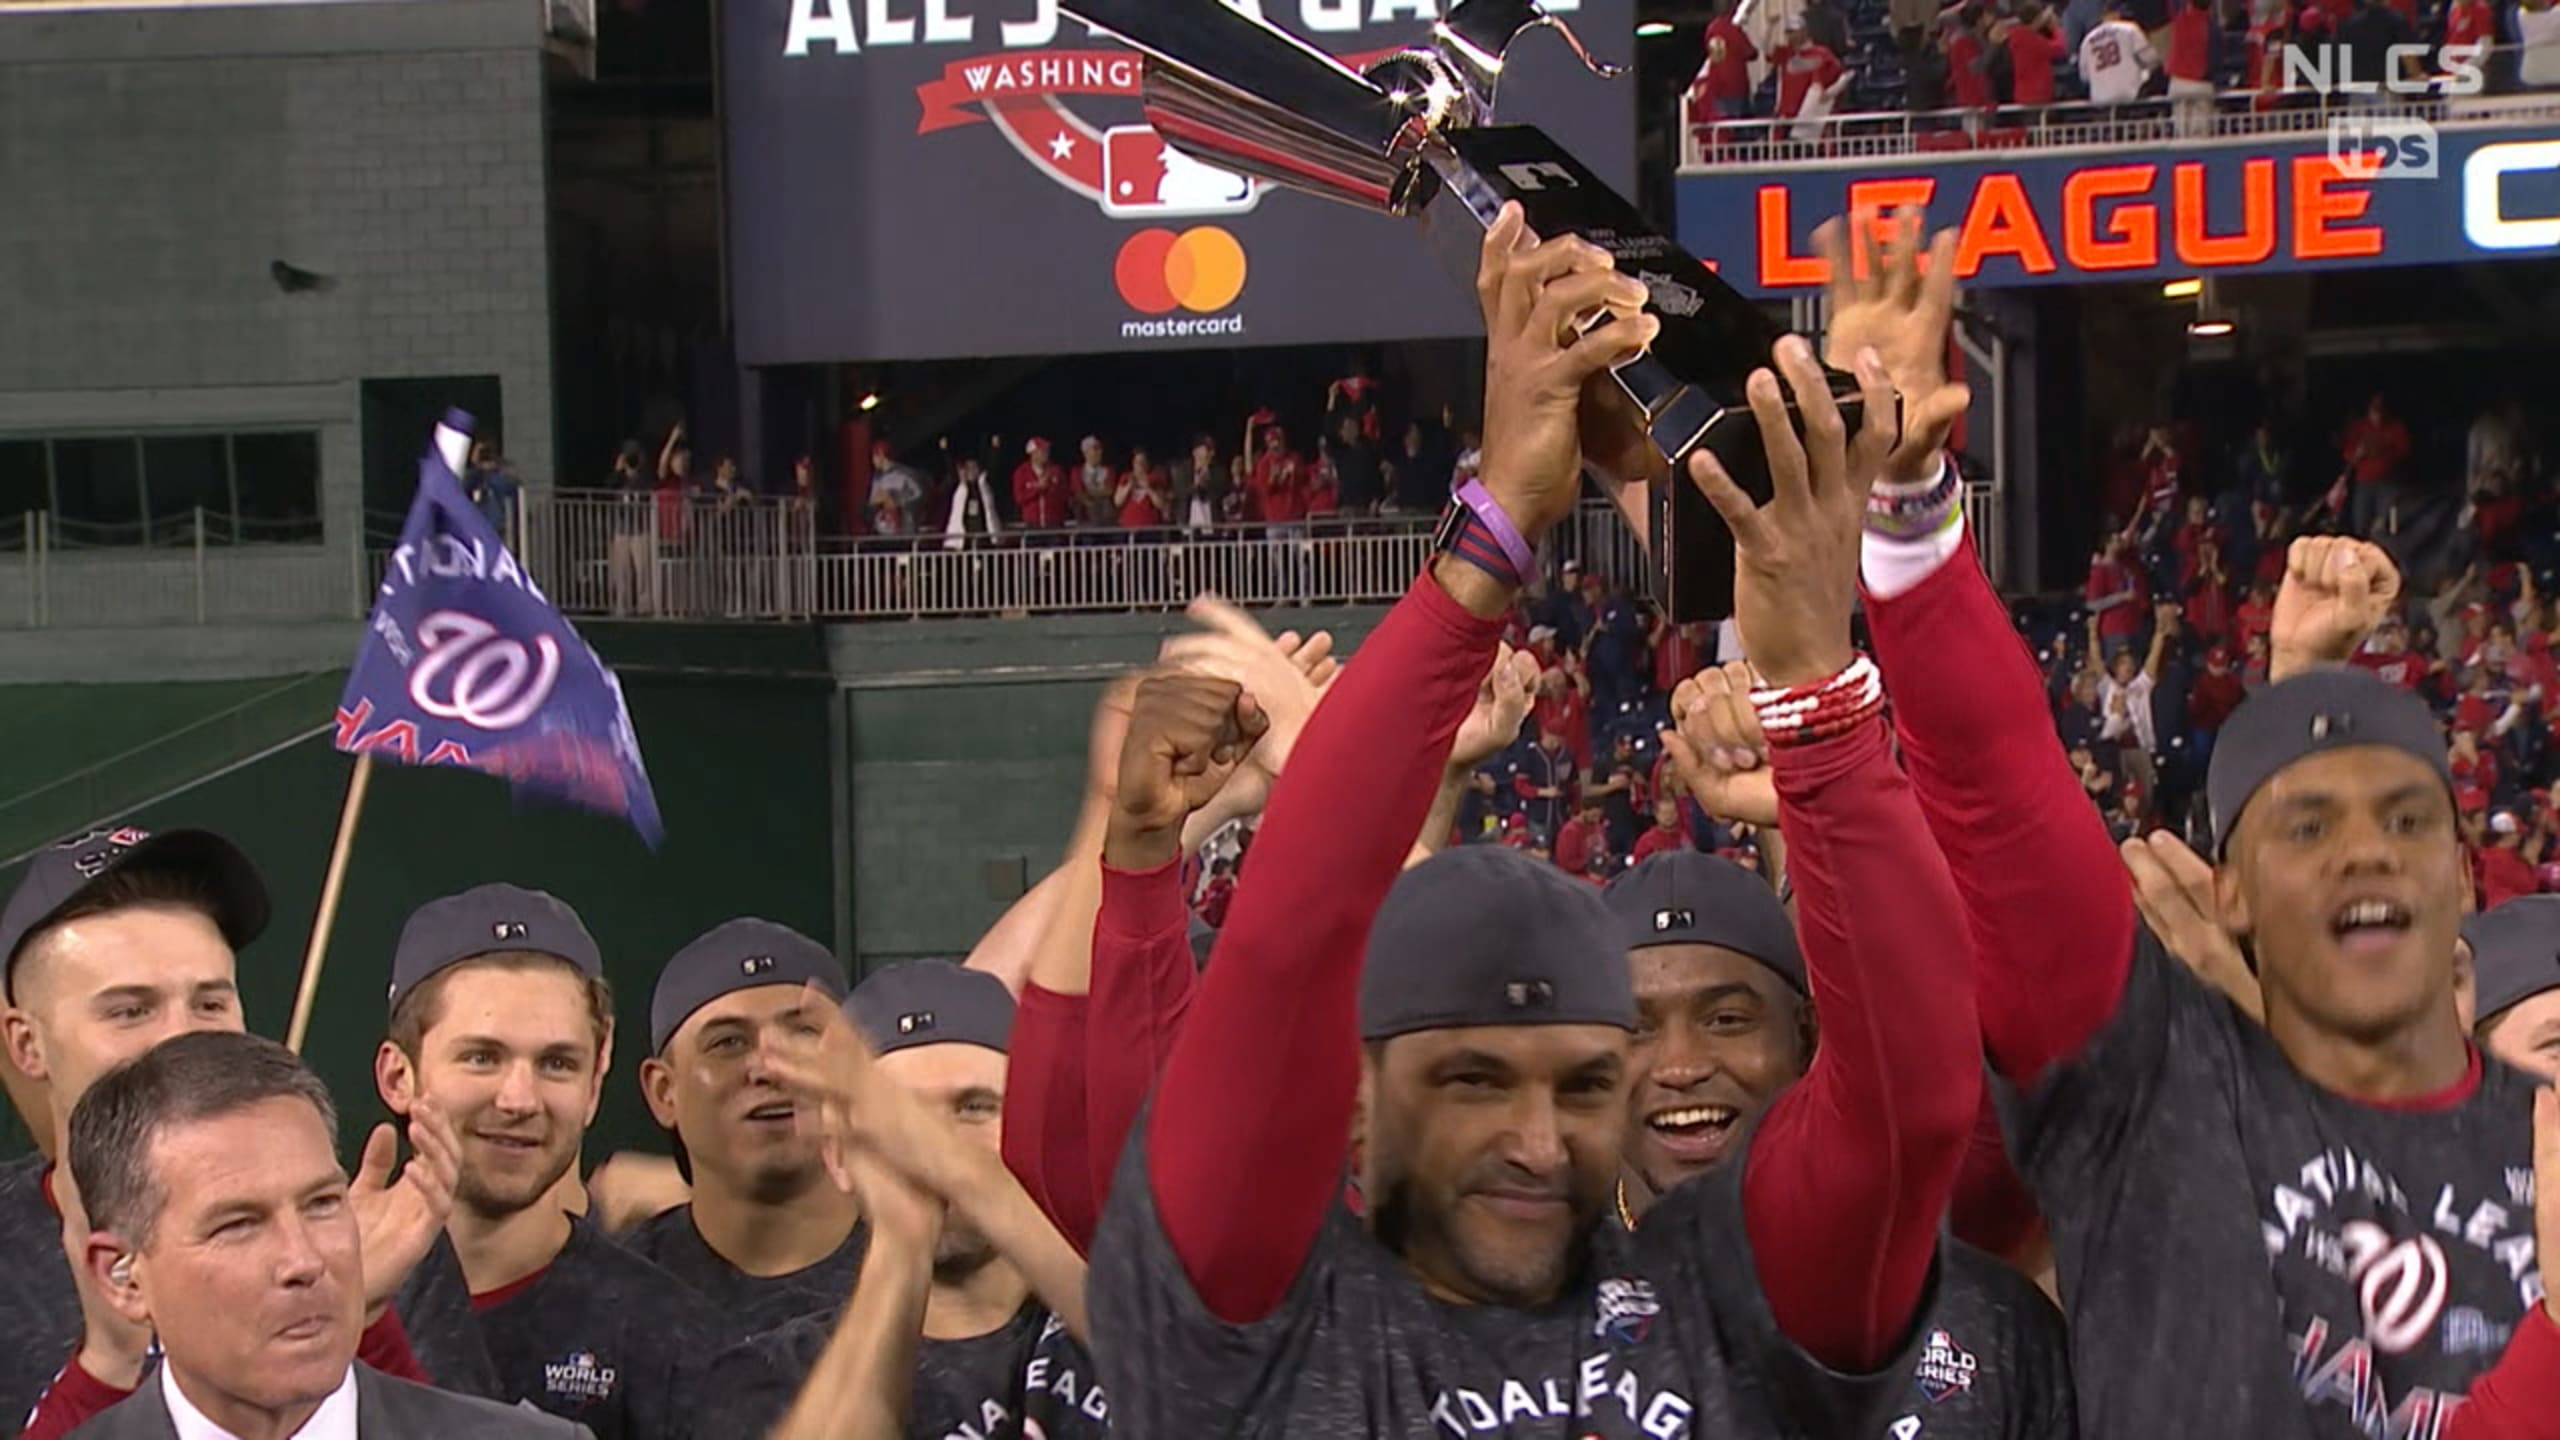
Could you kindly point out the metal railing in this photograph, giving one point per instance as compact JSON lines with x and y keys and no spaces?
{"x":2235,"y":114}
{"x":753,"y":559}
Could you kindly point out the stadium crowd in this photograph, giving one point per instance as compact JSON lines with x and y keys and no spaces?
{"x":1803,"y":60}
{"x":990,"y":488}
{"x":1439,"y":1139}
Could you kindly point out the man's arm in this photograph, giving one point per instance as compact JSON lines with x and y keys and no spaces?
{"x":1850,"y":1173}
{"x":1241,"y":1180}
{"x":2045,"y":899}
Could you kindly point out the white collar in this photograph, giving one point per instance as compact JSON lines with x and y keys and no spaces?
{"x":334,"y":1420}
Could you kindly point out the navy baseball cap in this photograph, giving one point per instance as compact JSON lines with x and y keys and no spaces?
{"x":2316,"y":711}
{"x":1484,"y":935}
{"x":1682,"y":897}
{"x":931,"y":1002}
{"x":2515,"y":952}
{"x":61,"y":873}
{"x":736,"y":955}
{"x":488,"y":920}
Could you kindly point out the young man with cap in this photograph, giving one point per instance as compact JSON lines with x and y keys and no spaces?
{"x":1000,"y":1309}
{"x":501,"y":1015}
{"x":2321,"y":1227}
{"x":765,"y":1237}
{"x":225,"y":1226}
{"x":2515,"y":958}
{"x":1464,"y":1028}
{"x":1723,"y":1027}
{"x":115,"y":940}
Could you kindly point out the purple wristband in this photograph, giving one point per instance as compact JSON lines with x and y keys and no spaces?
{"x":1475,"y":497}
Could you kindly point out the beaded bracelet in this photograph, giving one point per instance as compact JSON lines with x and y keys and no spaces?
{"x":1916,"y":512}
{"x":1802,"y":714}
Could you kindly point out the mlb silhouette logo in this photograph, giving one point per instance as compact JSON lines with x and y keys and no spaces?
{"x":914,"y":1022}
{"x":755,"y":965}
{"x":507,"y":930}
{"x":1521,"y":994}
{"x":1144,"y":176}
{"x":1665,"y":921}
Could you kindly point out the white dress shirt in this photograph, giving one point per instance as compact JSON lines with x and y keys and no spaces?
{"x":334,"y":1420}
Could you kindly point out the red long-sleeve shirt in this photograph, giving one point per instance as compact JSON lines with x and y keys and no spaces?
{"x":1045,"y":1141}
{"x":1854,"y":1165}
{"x":76,"y":1395}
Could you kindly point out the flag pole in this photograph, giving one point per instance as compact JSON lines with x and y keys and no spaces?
{"x":328,"y":916}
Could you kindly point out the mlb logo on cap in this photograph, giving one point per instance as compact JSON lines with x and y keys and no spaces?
{"x":1521,"y":994}
{"x":507,"y":930}
{"x":2324,"y":725}
{"x":755,"y":965}
{"x":1665,"y":921}
{"x":915,"y":1021}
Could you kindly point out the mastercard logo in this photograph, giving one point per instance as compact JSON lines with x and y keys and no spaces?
{"x":1200,"y":270}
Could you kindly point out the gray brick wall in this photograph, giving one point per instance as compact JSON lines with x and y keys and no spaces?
{"x":156,"y":161}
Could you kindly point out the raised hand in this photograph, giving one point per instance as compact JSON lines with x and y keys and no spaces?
{"x":1535,"y":296}
{"x":1502,"y":703}
{"x":1285,"y":676}
{"x":2173,"y":889}
{"x":860,"y":1116}
{"x":2335,"y":591}
{"x":1881,"y":296}
{"x":1716,"y":746}
{"x":1796,"y":571}
{"x":1187,"y":734}
{"x":398,"y":1221}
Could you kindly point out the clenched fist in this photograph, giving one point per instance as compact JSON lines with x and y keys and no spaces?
{"x":2335,"y":592}
{"x":1187,"y":734}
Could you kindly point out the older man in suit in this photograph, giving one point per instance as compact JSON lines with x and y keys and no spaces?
{"x":220,"y":1219}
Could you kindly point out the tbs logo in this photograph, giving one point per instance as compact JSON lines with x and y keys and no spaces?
{"x":2383,"y":148}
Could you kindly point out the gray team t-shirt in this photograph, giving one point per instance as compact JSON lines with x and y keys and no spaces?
{"x":1026,"y":1380}
{"x":753,"y":1304}
{"x":1665,"y":1336}
{"x":2244,"y":1253}
{"x":39,"y":1306}
{"x":1994,"y":1362}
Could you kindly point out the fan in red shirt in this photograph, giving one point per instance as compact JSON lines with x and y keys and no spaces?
{"x":2503,"y":869}
{"x":1804,"y":64}
{"x":2376,"y":443}
{"x":2475,"y":773}
{"x":2468,"y":23}
{"x":1583,"y":836}
{"x":2215,"y":693}
{"x":1968,"y":74}
{"x":2118,"y":596}
{"x":2387,"y":655}
{"x":1040,"y":488}
{"x":1564,"y":707}
{"x":1142,"y":494}
{"x":1279,"y":480}
{"x":1665,"y":833}
{"x":1725,"y":83}
{"x":2035,"y":45}
{"x":2192,"y":535}
{"x":2209,"y":594}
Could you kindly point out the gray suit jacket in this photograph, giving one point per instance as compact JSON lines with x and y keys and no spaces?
{"x":386,"y":1409}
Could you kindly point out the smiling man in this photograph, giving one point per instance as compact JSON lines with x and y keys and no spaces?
{"x":221,"y":1222}
{"x":766,"y":1237}
{"x":1723,"y":1027}
{"x":500,"y":1014}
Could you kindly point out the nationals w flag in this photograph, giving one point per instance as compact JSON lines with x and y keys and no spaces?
{"x":466,"y":663}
